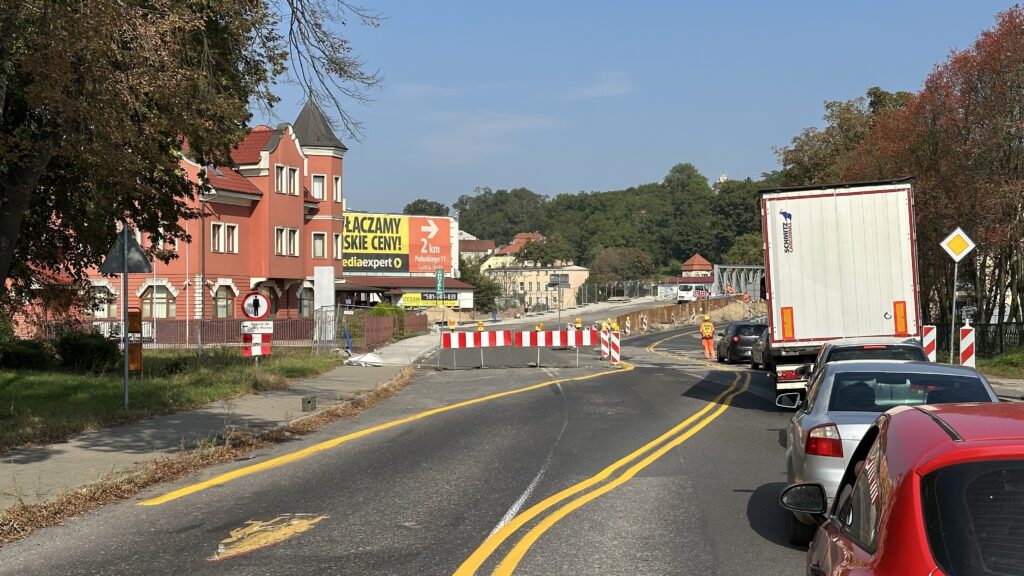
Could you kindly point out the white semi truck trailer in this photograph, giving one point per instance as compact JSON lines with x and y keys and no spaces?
{"x":840,"y":262}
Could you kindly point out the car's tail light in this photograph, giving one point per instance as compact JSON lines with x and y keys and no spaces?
{"x":735,"y":338}
{"x":873,"y":347}
{"x":824,"y":440}
{"x":788,"y":375}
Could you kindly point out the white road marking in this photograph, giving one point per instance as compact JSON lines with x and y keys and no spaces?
{"x":518,"y":504}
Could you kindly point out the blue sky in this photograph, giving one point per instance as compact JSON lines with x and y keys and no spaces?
{"x":570,"y":96}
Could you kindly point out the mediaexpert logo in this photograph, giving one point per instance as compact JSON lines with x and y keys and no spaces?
{"x":787,"y":231}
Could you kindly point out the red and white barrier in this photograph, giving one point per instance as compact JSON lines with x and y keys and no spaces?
{"x":643,"y":323}
{"x":629,"y":330}
{"x":928,"y":341}
{"x":967,"y":346}
{"x":614,"y":348}
{"x":492,"y":339}
{"x":604,"y":344}
{"x":256,"y":345}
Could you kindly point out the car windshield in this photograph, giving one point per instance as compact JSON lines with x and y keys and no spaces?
{"x":972,"y":515}
{"x":749,"y":330}
{"x":879,"y":391}
{"x":910,"y":353}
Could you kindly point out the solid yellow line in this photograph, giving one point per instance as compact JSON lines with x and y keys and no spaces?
{"x":480,"y":555}
{"x":512,"y":559}
{"x":334,"y":442}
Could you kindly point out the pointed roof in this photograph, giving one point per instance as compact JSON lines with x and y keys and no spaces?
{"x":260,"y":139}
{"x":313,"y":129}
{"x":697,"y":262}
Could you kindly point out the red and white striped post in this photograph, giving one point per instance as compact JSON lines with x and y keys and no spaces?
{"x":604,"y":344}
{"x":256,"y":345}
{"x":967,"y":346}
{"x":615,"y":348}
{"x":928,"y":341}
{"x":643,"y":323}
{"x":629,"y":330}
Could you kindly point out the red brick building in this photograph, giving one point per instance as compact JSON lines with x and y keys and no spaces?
{"x":265,"y":225}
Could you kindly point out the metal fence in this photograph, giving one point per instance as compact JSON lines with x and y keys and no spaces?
{"x":591,"y":292}
{"x":989,"y":339}
{"x":339,"y":327}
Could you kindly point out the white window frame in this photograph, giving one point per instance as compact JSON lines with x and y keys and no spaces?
{"x":294,"y":239}
{"x":216,"y":237}
{"x":231,"y":238}
{"x":293,"y":181}
{"x":323,"y":245}
{"x":337,"y":246}
{"x":337,"y":189}
{"x":280,"y":177}
{"x":280,"y":248}
{"x":323,"y":189}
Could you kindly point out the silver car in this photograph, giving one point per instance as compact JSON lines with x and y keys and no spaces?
{"x":842,"y":401}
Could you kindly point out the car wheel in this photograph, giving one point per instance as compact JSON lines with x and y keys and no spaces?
{"x":800,"y":534}
{"x":754,"y":365}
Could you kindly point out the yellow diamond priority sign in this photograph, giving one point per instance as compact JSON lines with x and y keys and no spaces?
{"x":957,"y":245}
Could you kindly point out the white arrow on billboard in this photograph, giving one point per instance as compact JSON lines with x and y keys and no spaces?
{"x":431,"y":229}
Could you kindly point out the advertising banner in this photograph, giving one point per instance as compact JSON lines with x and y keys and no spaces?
{"x":429,"y":299}
{"x":389,"y":243}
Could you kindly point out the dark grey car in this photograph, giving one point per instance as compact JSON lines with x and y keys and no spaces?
{"x":735,"y":343}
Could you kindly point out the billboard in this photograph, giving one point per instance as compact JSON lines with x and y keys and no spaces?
{"x":389,"y":243}
{"x":428,"y":299}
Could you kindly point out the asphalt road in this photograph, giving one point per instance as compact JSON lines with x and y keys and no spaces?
{"x":672,"y":467}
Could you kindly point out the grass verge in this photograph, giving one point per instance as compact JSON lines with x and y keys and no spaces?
{"x":22,"y":519}
{"x":42,"y":407}
{"x":1006,"y":365}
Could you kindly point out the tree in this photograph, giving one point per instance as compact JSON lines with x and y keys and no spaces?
{"x":486,"y":288}
{"x":545,"y":252}
{"x":615,"y":264}
{"x":98,"y":97}
{"x":424,"y":207}
{"x":500,"y":215}
{"x":747,"y":249}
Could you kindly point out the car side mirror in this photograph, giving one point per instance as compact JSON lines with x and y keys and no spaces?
{"x":804,"y":370}
{"x":788,"y":400}
{"x":720,"y":334}
{"x":808,"y":498}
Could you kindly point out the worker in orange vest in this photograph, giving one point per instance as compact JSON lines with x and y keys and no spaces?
{"x":707,"y":336}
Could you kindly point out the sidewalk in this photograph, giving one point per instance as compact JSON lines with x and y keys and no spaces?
{"x":38,"y":474}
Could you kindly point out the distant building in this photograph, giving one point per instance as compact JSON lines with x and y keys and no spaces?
{"x":697,"y":266}
{"x":473,"y":249}
{"x":520,"y":240}
{"x":527,"y":283}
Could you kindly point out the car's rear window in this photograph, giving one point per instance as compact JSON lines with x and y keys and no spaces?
{"x":972,"y":515}
{"x":879,"y":391}
{"x":685,"y":287}
{"x":749,"y":330}
{"x":909,"y":353}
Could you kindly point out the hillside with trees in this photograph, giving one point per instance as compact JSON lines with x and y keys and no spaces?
{"x":663,"y":222}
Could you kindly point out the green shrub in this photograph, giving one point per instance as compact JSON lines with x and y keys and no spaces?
{"x":88,"y":351}
{"x":26,"y":355}
{"x":386,"y":309}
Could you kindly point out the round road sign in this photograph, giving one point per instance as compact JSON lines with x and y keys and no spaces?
{"x":255,"y":306}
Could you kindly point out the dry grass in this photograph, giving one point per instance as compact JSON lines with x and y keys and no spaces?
{"x":22,"y":519}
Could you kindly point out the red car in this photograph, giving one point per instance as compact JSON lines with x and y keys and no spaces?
{"x":930,"y":490}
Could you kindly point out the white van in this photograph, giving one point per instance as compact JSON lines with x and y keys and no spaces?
{"x":686,"y":293}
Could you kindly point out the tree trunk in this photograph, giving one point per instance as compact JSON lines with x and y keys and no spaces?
{"x":17,"y":196}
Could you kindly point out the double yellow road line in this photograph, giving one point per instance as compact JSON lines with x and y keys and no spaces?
{"x":563,"y":503}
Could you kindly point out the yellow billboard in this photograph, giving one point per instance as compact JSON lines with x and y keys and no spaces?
{"x":381,"y":243}
{"x":428,"y":300}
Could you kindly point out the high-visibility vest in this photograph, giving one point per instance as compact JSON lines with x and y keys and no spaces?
{"x":707,"y":329}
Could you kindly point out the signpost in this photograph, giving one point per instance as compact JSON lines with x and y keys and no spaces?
{"x":125,"y":257}
{"x":256,"y":306}
{"x":257,"y":332}
{"x":957,"y":245}
{"x":559,"y":281}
